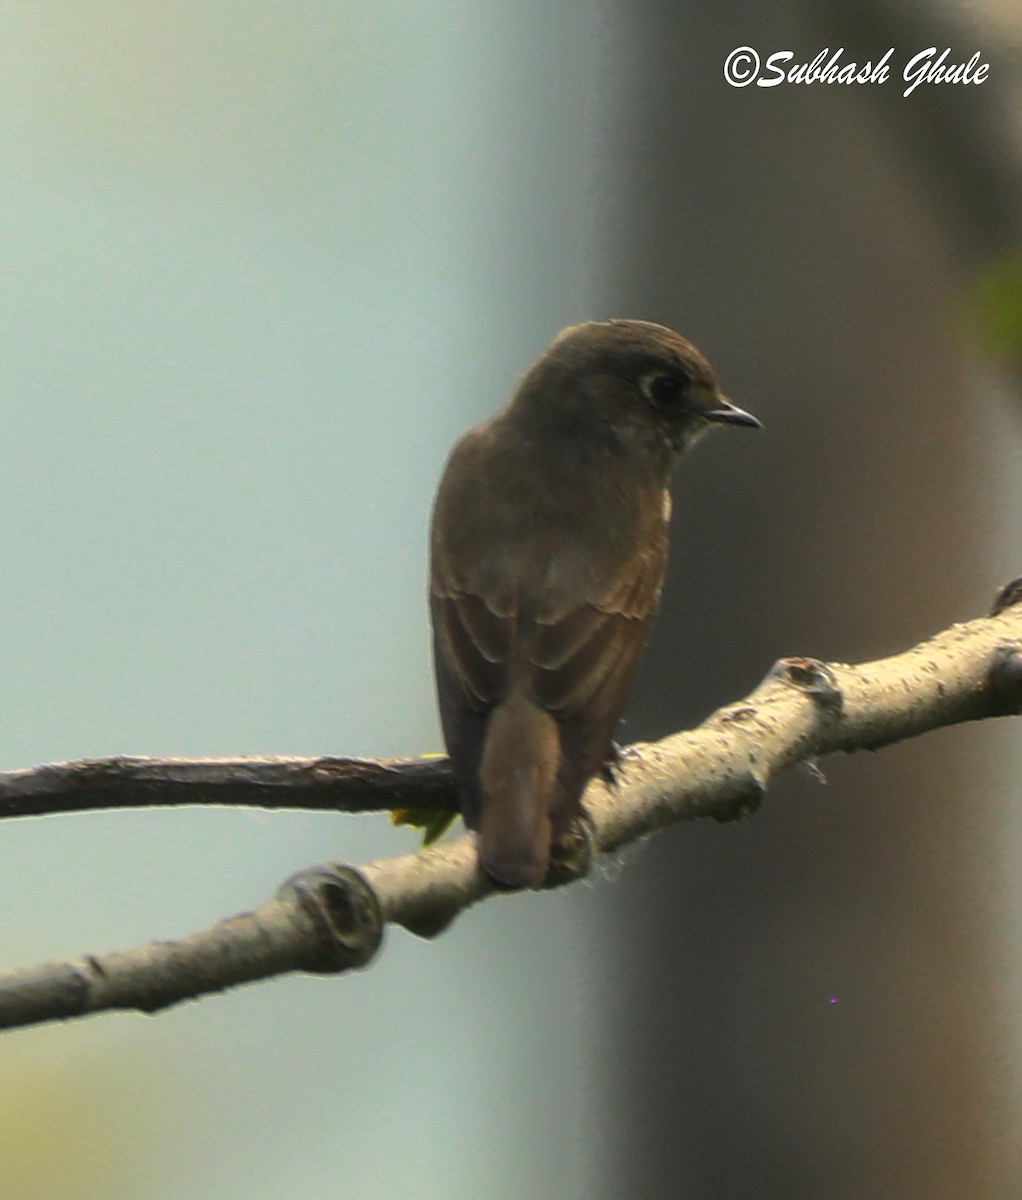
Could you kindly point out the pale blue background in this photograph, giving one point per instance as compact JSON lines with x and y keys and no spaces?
{"x":261,"y":263}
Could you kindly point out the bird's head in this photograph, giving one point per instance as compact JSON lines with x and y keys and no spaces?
{"x":643,"y":384}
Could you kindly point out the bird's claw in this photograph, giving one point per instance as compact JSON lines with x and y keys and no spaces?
{"x":610,"y":771}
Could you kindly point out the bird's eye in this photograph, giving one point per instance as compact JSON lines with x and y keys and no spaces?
{"x":666,"y":390}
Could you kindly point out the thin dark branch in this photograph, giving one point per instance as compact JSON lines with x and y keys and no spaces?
{"x":353,"y":785}
{"x":331,"y":918}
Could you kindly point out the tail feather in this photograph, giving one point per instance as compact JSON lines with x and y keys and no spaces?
{"x":518,"y":775}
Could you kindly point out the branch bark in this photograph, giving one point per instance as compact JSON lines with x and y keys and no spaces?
{"x":331,"y":918}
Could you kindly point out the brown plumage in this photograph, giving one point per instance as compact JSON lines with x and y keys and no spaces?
{"x":549,"y":547}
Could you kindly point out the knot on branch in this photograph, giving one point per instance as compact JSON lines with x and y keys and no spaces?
{"x":1006,"y":678}
{"x":343,"y":913}
{"x":743,"y":803}
{"x":1008,"y":595}
{"x":813,"y":677}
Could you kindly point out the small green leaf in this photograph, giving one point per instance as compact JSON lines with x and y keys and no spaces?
{"x":434,"y":823}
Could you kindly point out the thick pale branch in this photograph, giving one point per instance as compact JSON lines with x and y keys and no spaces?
{"x":331,"y":918}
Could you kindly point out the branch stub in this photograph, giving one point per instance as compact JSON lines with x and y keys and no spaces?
{"x":813,"y":677}
{"x":1008,"y":595}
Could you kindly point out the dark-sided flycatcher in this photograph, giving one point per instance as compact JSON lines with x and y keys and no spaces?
{"x":549,"y":548}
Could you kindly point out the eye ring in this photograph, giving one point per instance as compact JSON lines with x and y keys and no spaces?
{"x":666,"y":390}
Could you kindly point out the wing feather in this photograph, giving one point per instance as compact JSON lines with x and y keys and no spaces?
{"x":568,"y":662}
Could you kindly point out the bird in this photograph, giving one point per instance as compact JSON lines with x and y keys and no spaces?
{"x":548,"y":551}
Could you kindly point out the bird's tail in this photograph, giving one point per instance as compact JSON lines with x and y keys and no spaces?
{"x":518,"y":773}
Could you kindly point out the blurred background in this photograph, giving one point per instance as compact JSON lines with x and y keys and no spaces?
{"x":261,"y":265}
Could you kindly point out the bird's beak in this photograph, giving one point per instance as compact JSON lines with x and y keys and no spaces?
{"x":730,"y":414}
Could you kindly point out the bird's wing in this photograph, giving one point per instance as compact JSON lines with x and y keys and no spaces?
{"x":575,"y":657}
{"x":584,"y":659}
{"x":474,"y":643}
